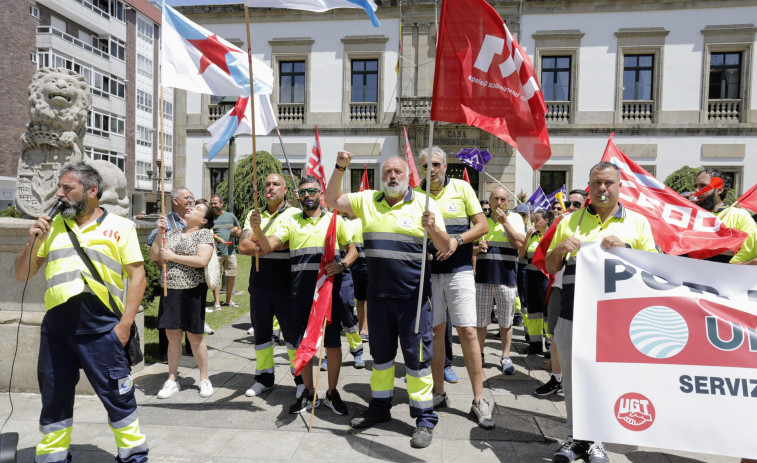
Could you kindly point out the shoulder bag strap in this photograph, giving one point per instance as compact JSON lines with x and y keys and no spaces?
{"x":91,"y":267}
{"x":274,"y":217}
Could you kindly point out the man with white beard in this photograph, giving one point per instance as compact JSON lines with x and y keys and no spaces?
{"x":393,"y":222}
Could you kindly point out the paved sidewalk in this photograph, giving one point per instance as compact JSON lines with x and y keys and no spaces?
{"x":229,"y":427}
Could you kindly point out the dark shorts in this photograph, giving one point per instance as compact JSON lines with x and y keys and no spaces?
{"x":183,"y":309}
{"x":360,"y":281}
{"x":298,"y":321}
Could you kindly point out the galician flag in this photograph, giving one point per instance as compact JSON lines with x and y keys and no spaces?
{"x":321,"y":307}
{"x":319,"y":5}
{"x":197,"y":60}
{"x":237,"y":122}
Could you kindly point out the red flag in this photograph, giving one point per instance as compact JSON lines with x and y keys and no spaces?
{"x":678,"y":225}
{"x":321,"y":308}
{"x":540,"y":253}
{"x":749,"y":199}
{"x":413,"y":178}
{"x":364,"y":185}
{"x":485,"y":79}
{"x":315,"y":165}
{"x":465,"y":175}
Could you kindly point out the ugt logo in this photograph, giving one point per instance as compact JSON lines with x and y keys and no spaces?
{"x":634,"y":411}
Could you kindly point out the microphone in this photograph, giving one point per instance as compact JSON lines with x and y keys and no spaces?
{"x":55,"y":210}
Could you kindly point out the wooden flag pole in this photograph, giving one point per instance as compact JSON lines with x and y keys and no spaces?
{"x":425,"y":232}
{"x":252,"y":109}
{"x":163,"y":189}
{"x":318,"y":375}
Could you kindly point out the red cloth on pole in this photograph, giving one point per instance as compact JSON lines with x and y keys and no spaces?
{"x":321,"y":308}
{"x":485,"y":79}
{"x":364,"y":185}
{"x":465,"y":175}
{"x":749,"y":199}
{"x":315,"y":165}
{"x":412,"y":177}
{"x":678,"y":225}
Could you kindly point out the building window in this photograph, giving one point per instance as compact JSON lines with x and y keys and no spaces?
{"x":144,"y":136}
{"x":555,"y":78}
{"x":297,"y":171}
{"x":167,"y":145}
{"x":34,"y":11}
{"x":103,"y":124}
{"x":364,"y":80}
{"x":144,"y":65}
{"x":145,"y":30}
{"x":142,"y":168}
{"x":217,"y":175}
{"x":168,"y":110}
{"x":637,"y":77}
{"x":117,"y":48}
{"x":118,"y":159}
{"x":725,"y":76}
{"x":550,"y":180}
{"x":117,"y":10}
{"x":292,"y":82}
{"x":144,"y":101}
{"x":456,"y":171}
{"x":356,"y":176}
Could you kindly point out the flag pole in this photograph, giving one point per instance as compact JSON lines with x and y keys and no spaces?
{"x":318,"y":375}
{"x":162,"y":160}
{"x":424,"y":257}
{"x":289,"y":166}
{"x":502,"y":185}
{"x":252,"y":109}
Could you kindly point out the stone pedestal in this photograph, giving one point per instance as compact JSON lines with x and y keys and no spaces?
{"x":13,"y":238}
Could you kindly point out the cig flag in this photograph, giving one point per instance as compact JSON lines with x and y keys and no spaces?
{"x":320,"y":5}
{"x":485,"y":79}
{"x":237,"y":122}
{"x":197,"y":60}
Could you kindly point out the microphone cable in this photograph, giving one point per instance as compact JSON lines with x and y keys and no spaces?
{"x":53,"y":212}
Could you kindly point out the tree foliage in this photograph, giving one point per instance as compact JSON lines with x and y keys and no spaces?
{"x":682,"y":180}
{"x":153,"y":273}
{"x":244,"y":181}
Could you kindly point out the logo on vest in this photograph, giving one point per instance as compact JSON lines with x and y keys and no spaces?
{"x":125,"y":385}
{"x":634,"y":411}
{"x":452,"y":207}
{"x":406,"y":222}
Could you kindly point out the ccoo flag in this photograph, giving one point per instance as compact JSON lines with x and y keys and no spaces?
{"x":364,"y":185}
{"x":412,"y":177}
{"x":485,"y":79}
{"x":197,"y":60}
{"x":237,"y":122}
{"x":319,"y":5}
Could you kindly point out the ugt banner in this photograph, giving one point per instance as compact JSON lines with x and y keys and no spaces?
{"x":665,"y":352}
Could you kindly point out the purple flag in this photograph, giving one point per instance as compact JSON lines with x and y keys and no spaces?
{"x":474,"y":158}
{"x":539,"y":200}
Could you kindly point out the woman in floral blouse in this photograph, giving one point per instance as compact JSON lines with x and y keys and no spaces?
{"x":186,"y":255}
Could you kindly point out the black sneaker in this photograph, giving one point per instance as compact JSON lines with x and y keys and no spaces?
{"x":304,"y":403}
{"x":534,"y":347}
{"x":570,"y":451}
{"x":334,"y":402}
{"x":553,"y":386}
{"x":366,"y":419}
{"x":421,"y":437}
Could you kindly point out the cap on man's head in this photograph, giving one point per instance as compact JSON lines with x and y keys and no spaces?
{"x":523,"y":208}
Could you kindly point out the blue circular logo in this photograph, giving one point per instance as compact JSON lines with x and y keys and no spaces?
{"x":659,"y":332}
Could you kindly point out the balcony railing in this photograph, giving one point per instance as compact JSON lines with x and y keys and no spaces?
{"x":558,"y":112}
{"x":73,"y":40}
{"x":415,"y":107}
{"x":724,"y":110}
{"x":637,"y":111}
{"x":363,"y":112}
{"x":291,"y":112}
{"x":215,"y":111}
{"x":88,"y":5}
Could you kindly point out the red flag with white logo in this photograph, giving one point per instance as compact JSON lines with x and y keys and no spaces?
{"x":678,"y":225}
{"x":465,"y":175}
{"x":485,"y":79}
{"x":364,"y":185}
{"x":412,"y":177}
{"x":321,"y":307}
{"x":315,"y":165}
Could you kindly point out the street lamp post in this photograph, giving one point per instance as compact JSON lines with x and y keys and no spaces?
{"x":226,"y":104}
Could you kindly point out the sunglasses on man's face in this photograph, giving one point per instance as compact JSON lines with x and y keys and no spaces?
{"x":576,"y":204}
{"x":556,"y":208}
{"x":487,"y":210}
{"x":309,"y":191}
{"x":435,"y":165}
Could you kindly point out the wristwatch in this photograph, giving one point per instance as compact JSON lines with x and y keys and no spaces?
{"x":459,"y":239}
{"x":343,"y":264}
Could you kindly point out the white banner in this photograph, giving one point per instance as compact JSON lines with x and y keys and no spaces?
{"x":665,"y":352}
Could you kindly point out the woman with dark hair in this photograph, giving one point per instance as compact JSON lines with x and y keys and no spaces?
{"x":186,"y":255}
{"x":536,"y":281}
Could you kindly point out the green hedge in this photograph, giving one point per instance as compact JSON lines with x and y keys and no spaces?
{"x":153,"y":275}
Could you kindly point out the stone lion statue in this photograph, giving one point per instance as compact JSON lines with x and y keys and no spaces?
{"x":59,"y":103}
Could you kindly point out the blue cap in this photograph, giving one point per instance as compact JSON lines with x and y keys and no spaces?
{"x":523,"y":208}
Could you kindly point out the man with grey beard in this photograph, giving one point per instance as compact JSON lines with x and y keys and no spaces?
{"x":393,"y":223}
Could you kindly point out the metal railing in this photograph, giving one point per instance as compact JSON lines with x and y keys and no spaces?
{"x":73,"y":40}
{"x":724,"y":110}
{"x":558,"y":112}
{"x":637,"y":111}
{"x":363,"y":112}
{"x":291,"y":112}
{"x":93,"y":8}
